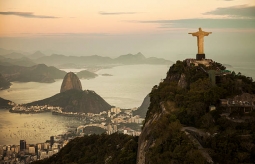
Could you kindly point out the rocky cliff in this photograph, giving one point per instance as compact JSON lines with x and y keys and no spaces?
{"x":70,"y":81}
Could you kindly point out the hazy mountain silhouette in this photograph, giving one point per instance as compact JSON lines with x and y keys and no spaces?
{"x":62,"y":61}
{"x":5,"y":52}
{"x":80,"y":61}
{"x":86,"y":74}
{"x":56,"y":60}
{"x":36,"y":73}
{"x":14,"y":55}
{"x":36,"y":55}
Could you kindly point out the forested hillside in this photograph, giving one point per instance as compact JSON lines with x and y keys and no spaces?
{"x":97,"y":149}
{"x":175,"y":106}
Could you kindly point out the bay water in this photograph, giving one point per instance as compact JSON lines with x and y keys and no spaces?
{"x":126,"y":88}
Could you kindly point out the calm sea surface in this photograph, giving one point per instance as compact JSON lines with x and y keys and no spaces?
{"x":126,"y":88}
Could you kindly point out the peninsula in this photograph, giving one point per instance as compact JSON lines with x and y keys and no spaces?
{"x":70,"y":99}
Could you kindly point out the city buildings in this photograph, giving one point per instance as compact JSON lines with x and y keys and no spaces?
{"x":112,"y":121}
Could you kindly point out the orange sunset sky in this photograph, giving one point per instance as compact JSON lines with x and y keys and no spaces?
{"x":116,"y":27}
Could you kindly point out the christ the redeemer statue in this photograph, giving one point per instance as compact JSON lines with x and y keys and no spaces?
{"x":200,"y":42}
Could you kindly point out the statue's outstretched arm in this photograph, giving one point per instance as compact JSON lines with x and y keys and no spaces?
{"x":207,"y":33}
{"x":193,"y":33}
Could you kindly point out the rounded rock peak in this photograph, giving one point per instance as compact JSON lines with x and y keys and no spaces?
{"x":70,"y":81}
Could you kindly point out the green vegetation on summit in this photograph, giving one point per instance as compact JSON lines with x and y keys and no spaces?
{"x":175,"y":106}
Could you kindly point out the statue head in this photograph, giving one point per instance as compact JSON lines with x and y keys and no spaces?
{"x":200,"y":29}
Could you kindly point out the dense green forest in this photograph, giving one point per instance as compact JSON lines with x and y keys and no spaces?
{"x":228,"y":141}
{"x":97,"y":149}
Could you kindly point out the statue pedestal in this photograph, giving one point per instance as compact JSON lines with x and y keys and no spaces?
{"x":200,"y":56}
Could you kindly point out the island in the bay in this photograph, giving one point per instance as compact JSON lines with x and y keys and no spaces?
{"x":71,"y":99}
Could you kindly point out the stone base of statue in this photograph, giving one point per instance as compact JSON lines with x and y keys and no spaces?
{"x":200,"y":56}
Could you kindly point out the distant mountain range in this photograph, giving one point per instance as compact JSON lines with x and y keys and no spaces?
{"x":24,"y":67}
{"x":13,"y":60}
{"x":36,"y":73}
{"x":95,"y":60}
{"x":9,"y":57}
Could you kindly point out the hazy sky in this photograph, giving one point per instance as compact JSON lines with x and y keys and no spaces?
{"x":117,"y":27}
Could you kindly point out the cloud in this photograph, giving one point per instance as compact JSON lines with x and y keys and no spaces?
{"x":239,"y":17}
{"x":116,"y":13}
{"x":205,"y":23}
{"x":26,"y":14}
{"x":234,"y":11}
{"x":68,"y":34}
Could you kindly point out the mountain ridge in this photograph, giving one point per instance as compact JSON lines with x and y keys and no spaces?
{"x":80,"y":61}
{"x":36,"y":73}
{"x":64,"y":61}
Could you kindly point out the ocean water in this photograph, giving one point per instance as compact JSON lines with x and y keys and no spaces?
{"x":34,"y":128}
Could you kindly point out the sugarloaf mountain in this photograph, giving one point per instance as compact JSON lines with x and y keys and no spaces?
{"x":73,"y":99}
